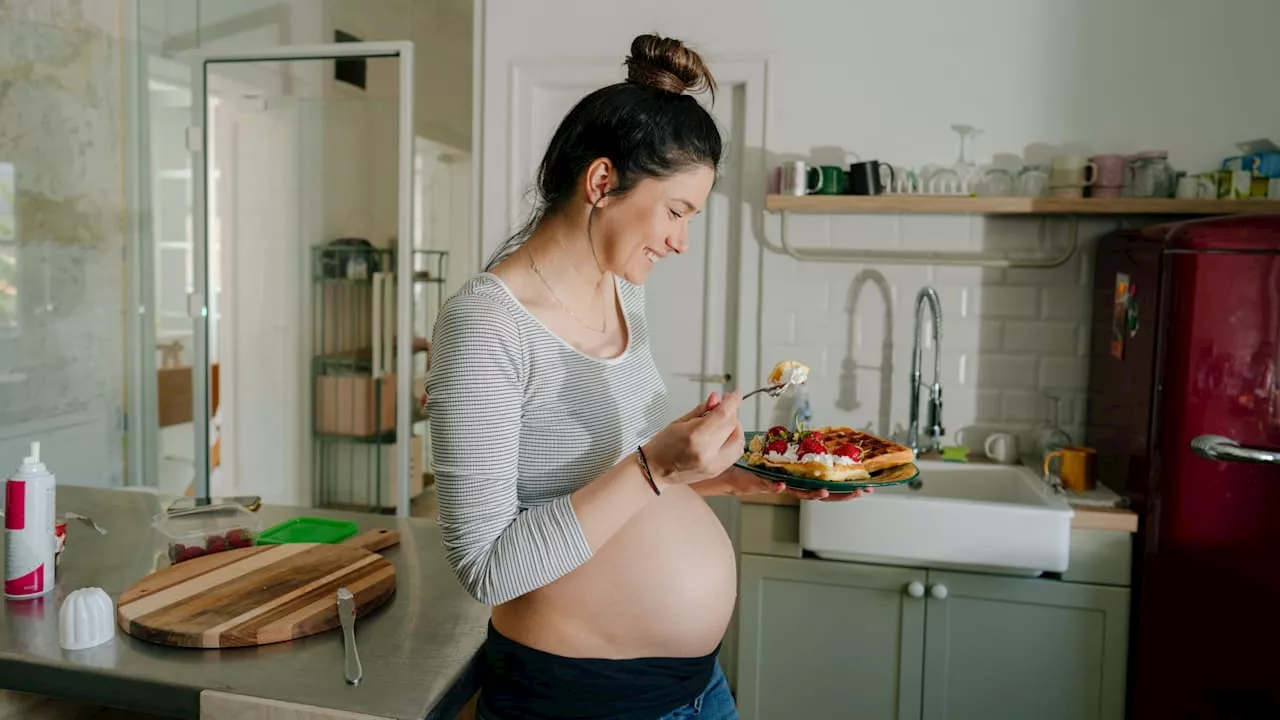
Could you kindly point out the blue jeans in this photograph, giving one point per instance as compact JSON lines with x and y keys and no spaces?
{"x":715,"y":702}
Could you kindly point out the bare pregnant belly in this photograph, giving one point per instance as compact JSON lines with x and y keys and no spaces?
{"x":663,"y":586}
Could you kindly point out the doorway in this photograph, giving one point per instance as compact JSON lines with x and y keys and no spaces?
{"x":263,"y":162}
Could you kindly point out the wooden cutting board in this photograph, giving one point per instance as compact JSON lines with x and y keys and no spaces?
{"x":258,"y":595}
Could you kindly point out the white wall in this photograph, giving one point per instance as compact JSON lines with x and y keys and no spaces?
{"x":886,"y":80}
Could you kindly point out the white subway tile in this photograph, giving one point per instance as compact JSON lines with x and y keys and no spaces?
{"x":1004,"y":371}
{"x":1041,"y":338}
{"x":798,"y":294}
{"x":1065,"y":274}
{"x":1065,"y":303}
{"x":1020,"y":406}
{"x":988,"y":406}
{"x":1007,"y":235}
{"x":864,"y":232}
{"x":778,"y":326}
{"x":1007,"y":301}
{"x":965,"y":276}
{"x":805,"y":230}
{"x":937,"y":233}
{"x":1062,"y":373}
{"x":970,"y":334}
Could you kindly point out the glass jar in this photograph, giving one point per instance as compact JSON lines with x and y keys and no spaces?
{"x":1152,"y":176}
{"x":1033,"y":181}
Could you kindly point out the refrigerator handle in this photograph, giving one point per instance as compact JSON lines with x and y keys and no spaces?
{"x":1216,"y":447}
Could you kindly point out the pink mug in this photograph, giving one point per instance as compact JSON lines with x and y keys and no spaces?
{"x":1113,"y":172}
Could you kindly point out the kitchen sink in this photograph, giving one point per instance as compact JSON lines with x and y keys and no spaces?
{"x":989,"y":518}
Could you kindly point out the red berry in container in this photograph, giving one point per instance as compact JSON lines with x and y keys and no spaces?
{"x":216,"y":543}
{"x":189,"y":552}
{"x":239,"y":538}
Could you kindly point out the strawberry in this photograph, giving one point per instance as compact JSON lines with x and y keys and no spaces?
{"x":216,"y":543}
{"x":776,"y":446}
{"x":809,"y":445}
{"x":239,"y":538}
{"x":189,"y":552}
{"x":813,"y":435}
{"x":776,"y":432}
{"x":853,"y":452}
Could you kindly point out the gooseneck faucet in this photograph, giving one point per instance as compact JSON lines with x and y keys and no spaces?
{"x":926,"y":296}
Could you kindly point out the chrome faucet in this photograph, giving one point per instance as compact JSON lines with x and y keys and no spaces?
{"x":927,"y":295}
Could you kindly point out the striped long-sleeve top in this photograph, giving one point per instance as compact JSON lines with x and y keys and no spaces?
{"x":519,"y":419}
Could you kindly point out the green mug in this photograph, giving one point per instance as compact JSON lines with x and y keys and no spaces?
{"x":833,"y":180}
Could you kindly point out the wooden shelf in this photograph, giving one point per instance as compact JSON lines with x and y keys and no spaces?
{"x":959,"y":204}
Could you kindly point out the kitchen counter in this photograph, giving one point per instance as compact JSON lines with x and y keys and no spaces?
{"x":418,"y":650}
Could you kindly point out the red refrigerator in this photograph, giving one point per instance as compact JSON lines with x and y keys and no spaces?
{"x":1184,"y":411}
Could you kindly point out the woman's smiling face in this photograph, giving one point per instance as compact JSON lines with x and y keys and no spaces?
{"x":632,"y":232}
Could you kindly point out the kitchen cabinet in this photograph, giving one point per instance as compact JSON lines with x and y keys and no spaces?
{"x":823,"y":639}
{"x":829,"y":640}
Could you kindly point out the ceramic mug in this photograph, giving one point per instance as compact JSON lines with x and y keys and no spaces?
{"x":870,"y":178}
{"x":1077,"y":467}
{"x":1113,"y":172}
{"x":1188,"y":187}
{"x":799,"y":178}
{"x":1001,"y":447}
{"x":833,"y":180}
{"x":1070,"y":174}
{"x":1207,"y":186}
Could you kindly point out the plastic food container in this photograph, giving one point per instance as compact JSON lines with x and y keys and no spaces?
{"x":186,"y":534}
{"x":308,"y":530}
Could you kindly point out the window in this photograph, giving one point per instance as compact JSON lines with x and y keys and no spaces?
{"x":10,"y":307}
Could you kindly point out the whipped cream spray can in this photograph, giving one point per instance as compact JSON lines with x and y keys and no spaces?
{"x":29,"y":515}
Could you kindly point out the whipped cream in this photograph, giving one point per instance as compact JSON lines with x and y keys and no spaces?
{"x":789,"y":372}
{"x":792,"y":455}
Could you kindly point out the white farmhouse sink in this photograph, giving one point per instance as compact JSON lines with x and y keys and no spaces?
{"x":995,"y":518}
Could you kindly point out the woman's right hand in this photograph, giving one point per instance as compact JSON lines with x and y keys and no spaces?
{"x":696,"y":446}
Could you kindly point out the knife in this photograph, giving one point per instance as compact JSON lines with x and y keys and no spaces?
{"x":347,"y":616}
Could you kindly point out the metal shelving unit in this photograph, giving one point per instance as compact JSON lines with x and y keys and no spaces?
{"x":353,"y":371}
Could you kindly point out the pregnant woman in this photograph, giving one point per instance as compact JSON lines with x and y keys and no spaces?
{"x":565,"y":500}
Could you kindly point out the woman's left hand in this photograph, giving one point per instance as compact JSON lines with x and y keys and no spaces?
{"x":736,"y":481}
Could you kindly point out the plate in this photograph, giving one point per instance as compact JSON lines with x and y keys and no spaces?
{"x":899,"y":475}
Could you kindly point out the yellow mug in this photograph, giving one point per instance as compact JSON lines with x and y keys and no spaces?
{"x":1077,"y":467}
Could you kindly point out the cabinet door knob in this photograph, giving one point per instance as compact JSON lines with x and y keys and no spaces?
{"x":915,"y":589}
{"x":939,"y":591}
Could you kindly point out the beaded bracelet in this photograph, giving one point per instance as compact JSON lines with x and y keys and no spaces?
{"x":644,"y":468}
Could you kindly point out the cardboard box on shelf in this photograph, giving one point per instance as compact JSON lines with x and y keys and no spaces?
{"x":355,"y":405}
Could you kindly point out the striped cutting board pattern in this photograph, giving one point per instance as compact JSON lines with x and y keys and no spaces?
{"x":258,"y":595}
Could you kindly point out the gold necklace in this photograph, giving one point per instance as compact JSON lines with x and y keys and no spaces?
{"x":572,"y":314}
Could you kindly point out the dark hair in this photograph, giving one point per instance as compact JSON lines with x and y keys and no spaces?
{"x":646,"y":126}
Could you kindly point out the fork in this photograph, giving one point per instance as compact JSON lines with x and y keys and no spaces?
{"x":772,"y":390}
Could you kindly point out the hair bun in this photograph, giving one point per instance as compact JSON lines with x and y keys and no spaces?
{"x":666,"y":64}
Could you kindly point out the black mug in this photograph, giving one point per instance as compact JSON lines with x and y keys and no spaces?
{"x":866,"y":178}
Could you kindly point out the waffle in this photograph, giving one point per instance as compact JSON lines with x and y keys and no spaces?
{"x":877,"y":454}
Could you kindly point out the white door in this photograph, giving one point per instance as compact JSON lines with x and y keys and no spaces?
{"x":688,"y":297}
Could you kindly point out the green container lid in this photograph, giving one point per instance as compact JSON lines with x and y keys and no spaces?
{"x":308,"y":529}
